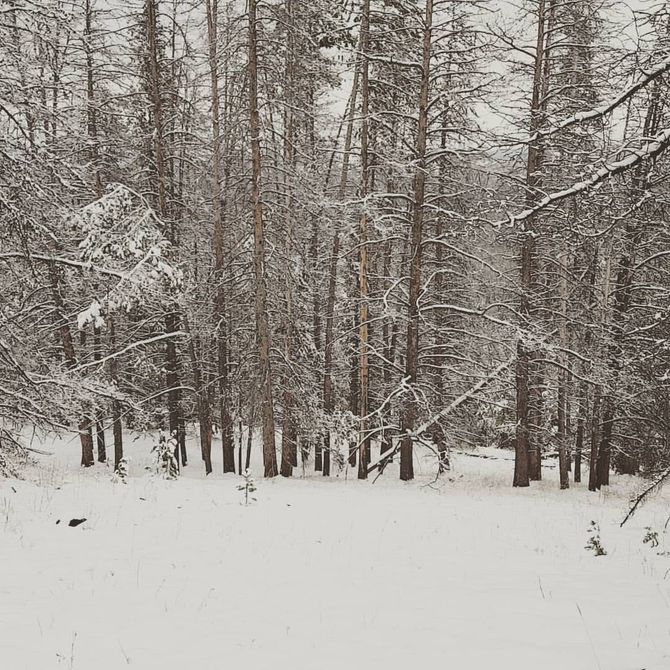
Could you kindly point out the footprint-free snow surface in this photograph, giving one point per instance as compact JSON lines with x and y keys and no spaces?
{"x":466,"y":573}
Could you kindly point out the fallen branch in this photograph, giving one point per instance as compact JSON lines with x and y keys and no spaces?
{"x":654,"y":486}
{"x":38,"y":451}
{"x":499,"y":458}
{"x":388,"y":455}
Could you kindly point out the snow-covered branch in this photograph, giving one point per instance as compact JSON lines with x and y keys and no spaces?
{"x":603,"y":110}
{"x":130,"y":347}
{"x":455,"y":404}
{"x":62,"y":260}
{"x":654,"y":486}
{"x":650,"y":149}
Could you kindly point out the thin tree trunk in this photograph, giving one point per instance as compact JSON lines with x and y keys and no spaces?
{"x":175,"y":420}
{"x":99,"y":425}
{"x":91,"y":112}
{"x":239,"y":444}
{"x":604,"y":449}
{"x":354,"y":381}
{"x":521,"y":475}
{"x":92,"y":131}
{"x":218,"y":243}
{"x":579,"y":440}
{"x":595,"y":439}
{"x":364,"y":372}
{"x":202,"y":402}
{"x":262,"y":324}
{"x":117,"y":427}
{"x":562,"y":431}
{"x":65,"y":334}
{"x":386,"y":441}
{"x":289,"y":456}
{"x":16,"y":41}
{"x":250,"y":436}
{"x":328,"y":398}
{"x":409,"y":411}
{"x":527,"y":451}
{"x":563,"y":462}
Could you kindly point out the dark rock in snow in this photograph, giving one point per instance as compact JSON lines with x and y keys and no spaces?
{"x":75,"y":522}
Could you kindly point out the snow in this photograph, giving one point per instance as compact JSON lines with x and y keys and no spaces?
{"x":323,"y":574}
{"x":90,"y":315}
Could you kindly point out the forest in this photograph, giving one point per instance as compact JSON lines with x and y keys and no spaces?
{"x":350,"y":232}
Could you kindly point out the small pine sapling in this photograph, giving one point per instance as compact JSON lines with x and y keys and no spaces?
{"x":651,"y":537}
{"x":594,"y":543}
{"x":121,"y":472}
{"x":166,"y":463}
{"x":248,"y":486}
{"x":339,"y":461}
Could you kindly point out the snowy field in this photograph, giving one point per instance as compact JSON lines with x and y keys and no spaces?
{"x":466,"y":574}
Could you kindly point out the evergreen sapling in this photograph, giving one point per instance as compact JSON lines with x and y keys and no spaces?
{"x":166,"y":463}
{"x":594,"y":543}
{"x":248,"y":486}
{"x":121,"y":472}
{"x":651,"y":537}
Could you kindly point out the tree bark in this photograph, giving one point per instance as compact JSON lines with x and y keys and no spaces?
{"x":579,"y":440}
{"x":175,"y":420}
{"x":604,"y":449}
{"x":563,"y":461}
{"x":262,"y":323}
{"x":528,"y":396}
{"x":289,"y":454}
{"x":328,"y":397}
{"x":202,"y":402}
{"x":595,"y":439}
{"x":117,"y":426}
{"x":409,"y":411}
{"x":67,"y":342}
{"x":99,"y":425}
{"x":218,"y":243}
{"x":363,"y":353}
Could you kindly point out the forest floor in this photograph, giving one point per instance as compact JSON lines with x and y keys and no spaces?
{"x":465,"y":573}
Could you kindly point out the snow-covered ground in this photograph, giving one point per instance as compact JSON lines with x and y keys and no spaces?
{"x":465,"y":574}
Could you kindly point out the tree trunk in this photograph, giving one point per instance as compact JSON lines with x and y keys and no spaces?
{"x":218,"y":243}
{"x":250,"y":437}
{"x":604,"y":449}
{"x":65,"y":335}
{"x":579,"y":441}
{"x":202,"y":402}
{"x":91,"y":112}
{"x":117,"y":426}
{"x":328,"y":398}
{"x":563,"y":459}
{"x":595,"y":438}
{"x":289,"y":456}
{"x":99,"y":425}
{"x":562,"y":431}
{"x":86,"y":437}
{"x":527,"y":464}
{"x":363,"y":353}
{"x":175,"y":420}
{"x":262,"y":324}
{"x":521,"y":475}
{"x":409,"y":410}
{"x":240,"y":440}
